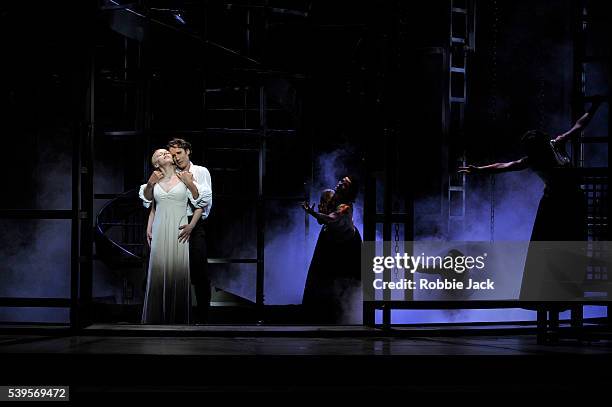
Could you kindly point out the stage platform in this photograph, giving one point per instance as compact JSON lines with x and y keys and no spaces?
{"x":104,"y":361}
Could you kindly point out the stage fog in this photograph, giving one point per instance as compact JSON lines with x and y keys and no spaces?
{"x":278,"y":103}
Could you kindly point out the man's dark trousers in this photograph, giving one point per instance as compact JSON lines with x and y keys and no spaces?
{"x":198,"y":270}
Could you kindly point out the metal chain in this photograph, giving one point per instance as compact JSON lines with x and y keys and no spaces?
{"x":492,"y":231}
{"x":396,"y":247}
{"x":493,"y":103}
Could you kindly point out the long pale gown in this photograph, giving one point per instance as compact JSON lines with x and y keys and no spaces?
{"x":168,"y":293}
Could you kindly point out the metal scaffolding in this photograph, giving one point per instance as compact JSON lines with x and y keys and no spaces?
{"x":247,"y":98}
{"x":462,"y":42}
{"x":452,"y":61}
{"x":81,"y":213}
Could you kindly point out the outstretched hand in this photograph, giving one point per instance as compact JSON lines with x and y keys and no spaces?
{"x":470,"y":169}
{"x":308,"y":208}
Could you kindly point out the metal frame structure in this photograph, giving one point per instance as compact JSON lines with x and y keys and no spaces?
{"x":583,"y":20}
{"x":462,"y":42}
{"x":80,"y":216}
{"x":260,"y":134}
{"x":387,"y":41}
{"x":454,"y":59}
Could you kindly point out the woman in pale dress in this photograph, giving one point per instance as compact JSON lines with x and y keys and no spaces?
{"x":168,"y":292}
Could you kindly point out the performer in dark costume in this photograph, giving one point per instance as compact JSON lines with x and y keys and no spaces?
{"x":562,"y":211}
{"x":334,"y":274}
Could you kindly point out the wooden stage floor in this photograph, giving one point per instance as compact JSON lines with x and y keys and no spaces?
{"x":108,"y":361}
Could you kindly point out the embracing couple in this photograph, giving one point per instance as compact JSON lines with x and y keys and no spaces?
{"x":179,"y":194}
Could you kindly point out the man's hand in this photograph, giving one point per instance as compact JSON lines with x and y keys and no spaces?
{"x":470,"y":169}
{"x":155,"y":177}
{"x":308,"y":208}
{"x":149,"y":236}
{"x":185,"y":233}
{"x":186,"y":177}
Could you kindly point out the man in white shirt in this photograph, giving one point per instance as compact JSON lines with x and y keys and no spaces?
{"x":198,"y":261}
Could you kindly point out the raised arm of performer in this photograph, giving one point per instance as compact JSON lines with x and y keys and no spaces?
{"x":147,"y":192}
{"x":557,"y":144}
{"x":322,"y":218}
{"x":582,"y":122}
{"x":495,"y":168}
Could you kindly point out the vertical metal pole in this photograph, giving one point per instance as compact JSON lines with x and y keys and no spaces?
{"x":408,"y":209}
{"x":74,"y":225}
{"x":554,"y":323}
{"x":445,"y":155}
{"x":386,"y":316}
{"x":450,"y":160}
{"x":579,"y":40}
{"x":577,"y":314}
{"x":205,"y":84}
{"x":541,"y":327}
{"x":472,"y":25}
{"x":259,"y":295}
{"x":86,"y":204}
{"x":248,"y":32}
{"x":308,"y":192}
{"x":387,"y":70}
{"x":389,"y":162}
{"x":369,"y":228}
{"x":125,"y":73}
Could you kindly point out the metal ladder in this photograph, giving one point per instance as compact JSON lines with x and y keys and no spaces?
{"x":461,"y":41}
{"x":583,"y":22}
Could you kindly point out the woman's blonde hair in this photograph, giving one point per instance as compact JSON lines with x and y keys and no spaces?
{"x":153,"y":159}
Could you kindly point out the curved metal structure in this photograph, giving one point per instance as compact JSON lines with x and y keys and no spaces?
{"x":120,"y":232}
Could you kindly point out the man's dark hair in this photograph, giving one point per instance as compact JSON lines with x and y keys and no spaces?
{"x":180,"y":143}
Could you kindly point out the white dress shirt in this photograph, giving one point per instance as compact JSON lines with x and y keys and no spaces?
{"x":202,"y":181}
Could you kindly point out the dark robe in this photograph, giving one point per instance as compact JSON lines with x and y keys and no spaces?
{"x":334,"y":274}
{"x":551,"y":273}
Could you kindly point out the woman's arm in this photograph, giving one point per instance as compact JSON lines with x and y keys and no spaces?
{"x":322,"y":218}
{"x":517,"y":165}
{"x":185,"y":230}
{"x":582,"y":122}
{"x":150,"y":223}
